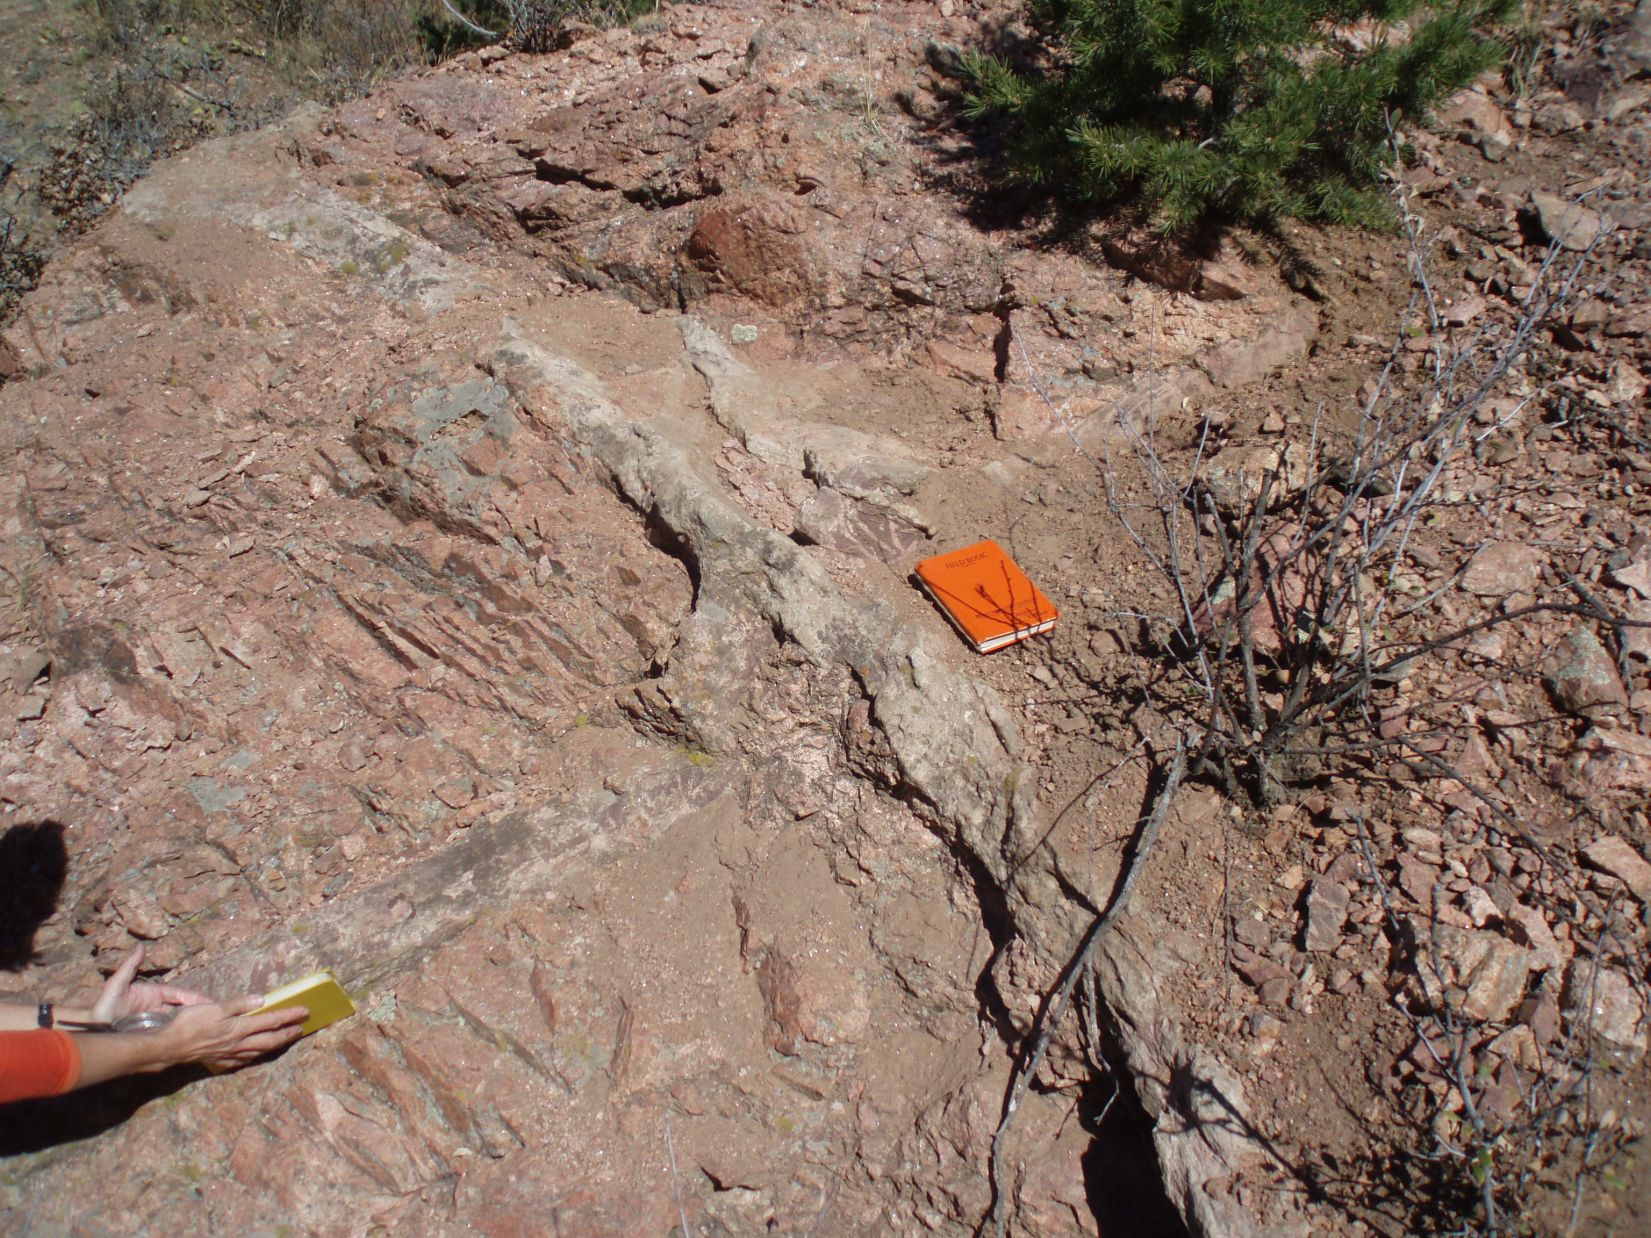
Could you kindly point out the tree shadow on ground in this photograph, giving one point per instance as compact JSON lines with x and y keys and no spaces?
{"x":974,"y":162}
{"x":34,"y":861}
{"x":974,"y":166}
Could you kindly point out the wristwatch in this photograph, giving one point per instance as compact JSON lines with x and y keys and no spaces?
{"x":44,"y":1015}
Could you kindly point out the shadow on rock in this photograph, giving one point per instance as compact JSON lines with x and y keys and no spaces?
{"x":33,"y":864}
{"x":1121,"y":1172}
{"x":35,"y":1125}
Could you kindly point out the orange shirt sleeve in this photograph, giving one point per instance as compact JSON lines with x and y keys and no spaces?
{"x":37,"y":1063}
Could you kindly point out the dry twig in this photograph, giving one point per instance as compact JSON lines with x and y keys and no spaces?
{"x":1076,"y":970}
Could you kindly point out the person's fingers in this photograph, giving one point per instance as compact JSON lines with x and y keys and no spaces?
{"x":251,"y":1048}
{"x":267,"y":1042}
{"x":268,"y":1021}
{"x":111,"y":1000}
{"x":231,"y":1033}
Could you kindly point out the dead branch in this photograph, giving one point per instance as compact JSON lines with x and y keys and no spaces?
{"x":1055,"y":1007}
{"x":467,"y":23}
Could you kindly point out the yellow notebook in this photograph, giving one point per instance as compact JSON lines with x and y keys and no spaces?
{"x":319,"y":993}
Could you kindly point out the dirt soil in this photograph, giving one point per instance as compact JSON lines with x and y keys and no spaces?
{"x":464,"y":539}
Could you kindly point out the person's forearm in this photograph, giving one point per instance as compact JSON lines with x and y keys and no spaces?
{"x":16,"y":1017}
{"x":108,"y":1055}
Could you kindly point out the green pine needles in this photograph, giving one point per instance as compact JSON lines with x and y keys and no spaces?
{"x":1214,"y":111}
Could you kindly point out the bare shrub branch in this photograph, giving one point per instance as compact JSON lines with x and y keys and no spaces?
{"x":1295,"y":608}
{"x":1288,"y":606}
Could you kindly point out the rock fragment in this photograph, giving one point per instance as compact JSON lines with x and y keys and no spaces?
{"x":1275,"y":992}
{"x":1531,"y":925}
{"x":1417,"y":879}
{"x":810,"y":1000}
{"x":1259,"y":971}
{"x":1481,"y":973}
{"x":1480,"y":907}
{"x":1636,"y":641}
{"x":455,"y":792}
{"x":29,"y":667}
{"x":139,"y":912}
{"x":858,"y":527}
{"x":1503,"y":568}
{"x":1480,"y":121}
{"x":1571,"y":224}
{"x":1252,"y":932}
{"x":1614,"y":758}
{"x":1423,"y":844}
{"x":1496,"y":981}
{"x":1327,"y":904}
{"x":1604,"y":1000}
{"x":1612,"y":855}
{"x":1241,"y":362}
{"x":1635,"y":576}
{"x":1581,"y":676}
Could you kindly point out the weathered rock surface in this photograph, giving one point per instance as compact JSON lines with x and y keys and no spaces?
{"x":1327,"y":904}
{"x":359,"y":707}
{"x":724,"y":162}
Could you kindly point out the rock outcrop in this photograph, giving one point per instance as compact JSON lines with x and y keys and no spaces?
{"x":383,"y":598}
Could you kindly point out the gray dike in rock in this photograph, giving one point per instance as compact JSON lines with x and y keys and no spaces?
{"x":1200,"y":1120}
{"x":255,"y":181}
{"x":378,"y":933}
{"x":858,"y":464}
{"x":954,"y":744}
{"x":950,"y":736}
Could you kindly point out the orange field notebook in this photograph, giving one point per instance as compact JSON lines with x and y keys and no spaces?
{"x":984,"y":592}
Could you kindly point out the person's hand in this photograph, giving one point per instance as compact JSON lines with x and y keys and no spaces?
{"x":217,"y":1034}
{"x":120,"y":996}
{"x":227,"y":1034}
